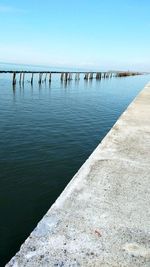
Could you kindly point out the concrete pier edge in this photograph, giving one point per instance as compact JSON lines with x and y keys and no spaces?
{"x":102,"y":218}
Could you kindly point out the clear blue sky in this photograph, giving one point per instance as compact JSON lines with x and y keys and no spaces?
{"x":80,"y":33}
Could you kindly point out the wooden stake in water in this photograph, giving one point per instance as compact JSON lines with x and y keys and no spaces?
{"x":77,"y":76}
{"x":50,"y":76}
{"x":91,"y":76}
{"x":32,"y":79}
{"x":45,"y":77}
{"x":62,"y":76}
{"x":70,"y":76}
{"x":14,"y":78}
{"x":23,"y":78}
{"x":66,"y":76}
{"x":40,"y":78}
{"x":86,"y":76}
{"x":20,"y":78}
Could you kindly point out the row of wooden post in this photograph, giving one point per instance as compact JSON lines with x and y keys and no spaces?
{"x":65,"y":76}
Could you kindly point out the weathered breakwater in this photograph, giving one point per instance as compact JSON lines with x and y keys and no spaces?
{"x":102,"y":217}
{"x":45,"y":76}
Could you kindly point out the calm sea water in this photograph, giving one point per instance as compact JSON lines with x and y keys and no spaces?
{"x":46,"y":134}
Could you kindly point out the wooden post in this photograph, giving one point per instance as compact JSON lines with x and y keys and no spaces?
{"x":86,"y":76}
{"x":20,"y":78}
{"x":98,"y":76}
{"x":91,"y":76}
{"x":45,"y":77}
{"x":70,"y":76}
{"x":62,"y":76}
{"x":14,"y":78}
{"x":50,"y":76}
{"x":77,"y":76}
{"x":23,"y":77}
{"x":32,"y":79}
{"x":66,"y":76}
{"x":40,"y":78}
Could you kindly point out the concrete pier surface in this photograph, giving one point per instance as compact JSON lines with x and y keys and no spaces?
{"x":102,"y":218}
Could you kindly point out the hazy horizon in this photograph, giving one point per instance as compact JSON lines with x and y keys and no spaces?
{"x":112,"y":35}
{"x":21,"y":66}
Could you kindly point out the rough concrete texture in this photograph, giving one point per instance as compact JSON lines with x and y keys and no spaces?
{"x":102,"y":218}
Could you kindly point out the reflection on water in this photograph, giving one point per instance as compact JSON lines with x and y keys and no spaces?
{"x":65,"y":78}
{"x":47,"y":131}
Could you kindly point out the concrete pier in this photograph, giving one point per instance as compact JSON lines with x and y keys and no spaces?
{"x":102,"y":218}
